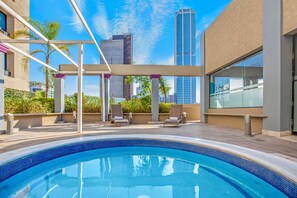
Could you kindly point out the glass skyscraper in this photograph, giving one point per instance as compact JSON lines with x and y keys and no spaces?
{"x":185,"y":54}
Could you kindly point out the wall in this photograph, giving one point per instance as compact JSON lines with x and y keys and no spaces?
{"x":192,"y":110}
{"x":20,"y":77}
{"x":236,"y":122}
{"x":24,"y":121}
{"x":87,"y":117}
{"x":289,"y":17}
{"x":236,"y":33}
{"x":234,"y":118}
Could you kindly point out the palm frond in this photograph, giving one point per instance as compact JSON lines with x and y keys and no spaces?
{"x":52,"y":30}
{"x":64,"y":48}
{"x":38,"y":25}
{"x":25,"y":59}
{"x":23,"y":34}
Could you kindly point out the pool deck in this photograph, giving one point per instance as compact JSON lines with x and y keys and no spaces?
{"x":285,"y":147}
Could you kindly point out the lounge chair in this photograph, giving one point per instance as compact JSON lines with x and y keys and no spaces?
{"x":117,"y":116}
{"x":175,"y":116}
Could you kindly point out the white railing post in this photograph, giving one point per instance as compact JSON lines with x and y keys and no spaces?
{"x":79,"y":88}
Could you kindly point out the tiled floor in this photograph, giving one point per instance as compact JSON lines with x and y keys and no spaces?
{"x":259,"y":142}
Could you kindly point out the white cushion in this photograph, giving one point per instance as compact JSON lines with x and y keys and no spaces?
{"x":118,"y":117}
{"x":173,"y":118}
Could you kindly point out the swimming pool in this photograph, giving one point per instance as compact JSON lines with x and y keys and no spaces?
{"x":138,"y":168}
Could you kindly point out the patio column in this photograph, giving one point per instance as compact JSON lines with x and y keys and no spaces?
{"x":79,"y":88}
{"x":59,"y":93}
{"x":155,"y":96}
{"x":106,"y":96}
{"x":204,"y":82}
{"x":277,"y":71}
{"x":3,"y":50}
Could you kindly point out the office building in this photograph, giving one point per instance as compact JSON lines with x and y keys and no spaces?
{"x":118,"y":50}
{"x":185,"y":54}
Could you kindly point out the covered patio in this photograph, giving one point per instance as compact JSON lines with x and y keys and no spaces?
{"x":79,"y":69}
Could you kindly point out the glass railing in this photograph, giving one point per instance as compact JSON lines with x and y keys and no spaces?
{"x":249,"y":96}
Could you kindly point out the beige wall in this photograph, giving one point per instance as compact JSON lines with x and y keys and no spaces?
{"x":290,"y":16}
{"x":87,"y":117}
{"x":192,"y":110}
{"x":19,"y":76}
{"x":236,"y":33}
{"x":24,"y":121}
{"x":242,"y":111}
{"x":234,"y":118}
{"x":236,"y":122}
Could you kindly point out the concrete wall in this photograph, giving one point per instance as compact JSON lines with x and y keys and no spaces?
{"x":289,"y":17}
{"x":19,"y":76}
{"x":192,"y":110}
{"x":87,"y":117}
{"x":24,"y":121}
{"x":236,"y":122}
{"x":234,"y":118}
{"x":236,"y":33}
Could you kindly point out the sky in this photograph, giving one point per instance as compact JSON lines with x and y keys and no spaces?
{"x":150,"y":21}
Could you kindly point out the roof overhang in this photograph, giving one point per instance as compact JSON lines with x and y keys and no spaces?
{"x":132,"y":70}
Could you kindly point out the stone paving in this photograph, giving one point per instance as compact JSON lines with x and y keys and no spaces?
{"x":39,"y":135}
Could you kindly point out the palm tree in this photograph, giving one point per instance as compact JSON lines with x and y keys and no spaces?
{"x":144,"y":82}
{"x":146,"y":85}
{"x":164,"y":87}
{"x":50,"y":30}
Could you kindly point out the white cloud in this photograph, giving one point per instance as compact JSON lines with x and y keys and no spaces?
{"x":144,"y":19}
{"x":75,"y":21}
{"x":167,"y":61}
{"x":198,"y":32}
{"x":100,"y":21}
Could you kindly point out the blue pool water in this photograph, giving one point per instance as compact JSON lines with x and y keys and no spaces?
{"x":140,"y":172}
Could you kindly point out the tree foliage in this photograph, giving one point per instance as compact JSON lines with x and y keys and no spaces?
{"x":17,"y":102}
{"x":145,"y":84}
{"x":51,"y":31}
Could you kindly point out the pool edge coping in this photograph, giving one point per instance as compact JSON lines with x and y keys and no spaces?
{"x":277,"y":164}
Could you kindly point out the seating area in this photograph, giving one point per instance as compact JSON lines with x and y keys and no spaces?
{"x":175,"y":117}
{"x":117,"y":116}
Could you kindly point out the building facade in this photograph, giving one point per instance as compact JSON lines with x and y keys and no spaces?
{"x":185,"y":54}
{"x":13,"y":73}
{"x":118,"y":50}
{"x":16,"y":75}
{"x":247,"y":67}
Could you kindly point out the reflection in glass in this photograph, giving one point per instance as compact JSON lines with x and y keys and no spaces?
{"x":239,"y":85}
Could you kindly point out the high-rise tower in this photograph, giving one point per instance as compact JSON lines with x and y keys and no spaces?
{"x":185,"y":54}
{"x":118,"y":50}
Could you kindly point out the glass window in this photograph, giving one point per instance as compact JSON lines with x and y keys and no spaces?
{"x":2,"y":21}
{"x":5,"y":62}
{"x":239,"y":85}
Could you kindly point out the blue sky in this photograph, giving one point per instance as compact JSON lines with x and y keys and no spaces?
{"x":150,"y":21}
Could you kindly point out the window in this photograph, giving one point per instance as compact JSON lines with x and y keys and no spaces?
{"x":3,"y":21}
{"x":239,"y":85}
{"x":5,"y":62}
